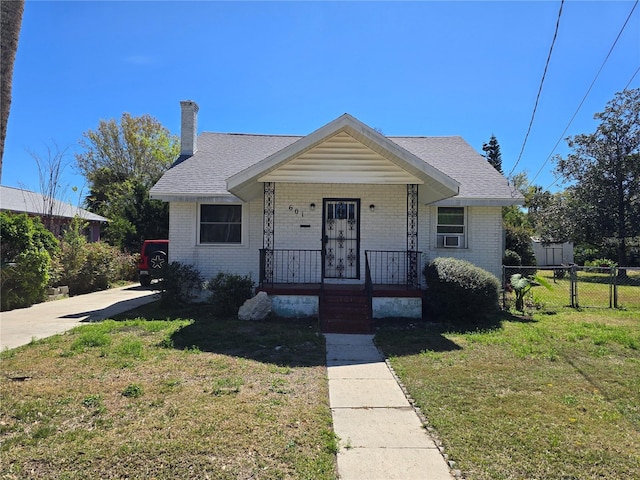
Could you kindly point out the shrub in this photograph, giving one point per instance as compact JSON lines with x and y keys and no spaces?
{"x":228,"y":292}
{"x":127,"y":266}
{"x":602,"y":265}
{"x":27,"y":247}
{"x":88,"y":267}
{"x":460,"y":291}
{"x":24,"y":280}
{"x":179,"y":284}
{"x":511,"y":259}
{"x":518,"y":239}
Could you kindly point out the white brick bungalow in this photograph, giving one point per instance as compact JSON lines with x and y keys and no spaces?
{"x":328,"y":221}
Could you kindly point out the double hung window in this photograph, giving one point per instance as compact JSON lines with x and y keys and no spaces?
{"x":451,"y":228}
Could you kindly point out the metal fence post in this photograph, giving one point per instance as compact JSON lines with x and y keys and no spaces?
{"x":614,"y":281}
{"x":573,"y":276}
{"x":504,"y":287}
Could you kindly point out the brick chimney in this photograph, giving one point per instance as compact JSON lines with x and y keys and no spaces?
{"x":188,"y":128}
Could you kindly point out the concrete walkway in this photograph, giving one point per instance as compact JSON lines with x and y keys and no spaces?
{"x":19,"y":327}
{"x":380,"y":434}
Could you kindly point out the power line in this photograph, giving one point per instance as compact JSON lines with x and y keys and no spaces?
{"x":632,"y":76}
{"x":544,"y":74}
{"x":589,"y":91}
{"x":557,"y":177}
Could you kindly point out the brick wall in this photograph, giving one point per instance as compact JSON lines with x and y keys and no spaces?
{"x":484,"y":238}
{"x":381,"y":229}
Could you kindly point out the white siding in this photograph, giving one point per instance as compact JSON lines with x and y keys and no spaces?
{"x":341,"y":159}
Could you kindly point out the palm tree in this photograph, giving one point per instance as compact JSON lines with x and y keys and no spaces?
{"x":11,"y":21}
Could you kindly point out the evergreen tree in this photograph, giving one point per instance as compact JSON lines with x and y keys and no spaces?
{"x":492,"y":153}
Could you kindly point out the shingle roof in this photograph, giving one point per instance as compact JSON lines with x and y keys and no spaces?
{"x":219,"y":156}
{"x":25,"y":201}
{"x":222,"y":155}
{"x":455,"y":157}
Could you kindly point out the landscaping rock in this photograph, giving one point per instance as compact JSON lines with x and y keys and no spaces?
{"x":256,"y":308}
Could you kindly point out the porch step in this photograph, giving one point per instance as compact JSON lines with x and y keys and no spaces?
{"x":345,"y":312}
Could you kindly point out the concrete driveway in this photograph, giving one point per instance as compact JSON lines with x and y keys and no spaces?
{"x":19,"y":327}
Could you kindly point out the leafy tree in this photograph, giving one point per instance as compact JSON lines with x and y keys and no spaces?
{"x":122,"y":161}
{"x":492,"y":153}
{"x":604,"y":169}
{"x":515,"y":215}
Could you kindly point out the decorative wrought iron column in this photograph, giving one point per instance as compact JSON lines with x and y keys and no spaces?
{"x":413,"y":264}
{"x":268,"y":227}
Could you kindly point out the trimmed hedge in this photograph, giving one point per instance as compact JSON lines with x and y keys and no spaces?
{"x":459,"y":291}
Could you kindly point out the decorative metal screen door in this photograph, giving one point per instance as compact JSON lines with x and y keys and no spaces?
{"x":341,"y":243}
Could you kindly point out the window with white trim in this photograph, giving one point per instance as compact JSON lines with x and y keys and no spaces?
{"x":451,"y":228}
{"x":220,"y":224}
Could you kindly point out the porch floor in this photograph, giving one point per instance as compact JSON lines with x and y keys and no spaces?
{"x":316,"y":289}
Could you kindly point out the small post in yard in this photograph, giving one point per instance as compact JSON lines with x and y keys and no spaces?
{"x":504,"y":287}
{"x":573,"y":276}
{"x":614,"y":287}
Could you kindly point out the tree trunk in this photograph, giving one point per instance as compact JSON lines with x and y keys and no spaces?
{"x":10,"y":23}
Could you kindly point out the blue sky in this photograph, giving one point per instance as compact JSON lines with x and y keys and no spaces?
{"x":407,"y":68}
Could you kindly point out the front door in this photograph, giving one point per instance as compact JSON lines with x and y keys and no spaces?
{"x":341,"y":242}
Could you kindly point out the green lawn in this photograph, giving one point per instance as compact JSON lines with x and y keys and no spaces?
{"x":594,"y":291}
{"x":548,"y":397}
{"x":186,"y":397}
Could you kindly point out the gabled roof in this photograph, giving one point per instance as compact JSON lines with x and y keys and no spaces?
{"x":245,"y":184}
{"x":25,"y":201}
{"x":228,"y":167}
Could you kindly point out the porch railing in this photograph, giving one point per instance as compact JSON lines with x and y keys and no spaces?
{"x":290,"y":266}
{"x":388,"y":267}
{"x":382,"y":267}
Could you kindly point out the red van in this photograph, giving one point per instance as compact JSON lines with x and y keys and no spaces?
{"x":153,"y":260}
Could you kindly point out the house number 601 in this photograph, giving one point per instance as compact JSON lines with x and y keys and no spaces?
{"x":296,"y":211}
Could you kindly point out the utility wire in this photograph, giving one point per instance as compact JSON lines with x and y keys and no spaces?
{"x":589,"y":91}
{"x":557,"y":177}
{"x":544,"y":74}
{"x":632,"y":77}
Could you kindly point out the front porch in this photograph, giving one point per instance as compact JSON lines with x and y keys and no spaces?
{"x":296,"y":281}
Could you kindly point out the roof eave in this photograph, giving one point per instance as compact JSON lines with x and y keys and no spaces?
{"x":479,"y":202}
{"x":245,"y":184}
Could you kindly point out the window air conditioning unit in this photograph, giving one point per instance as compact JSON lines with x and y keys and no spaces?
{"x":451,"y":241}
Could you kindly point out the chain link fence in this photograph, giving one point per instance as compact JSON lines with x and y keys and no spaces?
{"x":576,"y":286}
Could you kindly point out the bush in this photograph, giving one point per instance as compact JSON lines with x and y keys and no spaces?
{"x":88,"y":267}
{"x":601,"y":265}
{"x":27,"y":247}
{"x":511,"y":259}
{"x":229,"y":292}
{"x":24,"y":281}
{"x":459,"y":291}
{"x":127,"y":266}
{"x":518,"y":239}
{"x":179,"y":284}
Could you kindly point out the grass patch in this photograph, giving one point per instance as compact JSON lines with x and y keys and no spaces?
{"x":552,"y":396}
{"x":169,"y":396}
